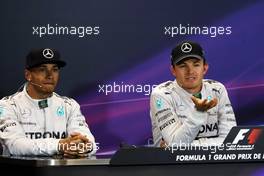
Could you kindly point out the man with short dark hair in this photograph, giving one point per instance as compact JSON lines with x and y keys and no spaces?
{"x":190,"y":110}
{"x":36,"y":120}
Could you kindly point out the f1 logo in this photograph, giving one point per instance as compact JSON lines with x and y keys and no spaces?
{"x":252,"y":137}
{"x":240,"y":136}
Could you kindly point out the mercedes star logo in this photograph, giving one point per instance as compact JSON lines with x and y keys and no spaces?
{"x":186,"y":47}
{"x":48,"y":53}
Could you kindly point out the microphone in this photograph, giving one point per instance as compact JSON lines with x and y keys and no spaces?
{"x":42,"y":103}
{"x":35,"y":84}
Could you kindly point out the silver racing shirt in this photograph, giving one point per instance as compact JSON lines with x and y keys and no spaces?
{"x":27,"y":128}
{"x":175,"y":119}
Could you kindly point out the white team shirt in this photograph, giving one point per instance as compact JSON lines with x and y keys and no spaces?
{"x":175,"y":119}
{"x":27,"y":129}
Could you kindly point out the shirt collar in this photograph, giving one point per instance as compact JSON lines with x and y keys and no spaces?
{"x":35,"y":102}
{"x":187,"y":94}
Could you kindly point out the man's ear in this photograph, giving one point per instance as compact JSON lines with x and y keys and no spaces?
{"x":27,"y":75}
{"x":172,"y":69}
{"x":206,"y":67}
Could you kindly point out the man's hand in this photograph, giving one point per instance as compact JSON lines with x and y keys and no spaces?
{"x":204,"y":105}
{"x":75,"y":146}
{"x":163,"y":144}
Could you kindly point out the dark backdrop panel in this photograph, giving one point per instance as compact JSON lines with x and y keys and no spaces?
{"x":128,"y":46}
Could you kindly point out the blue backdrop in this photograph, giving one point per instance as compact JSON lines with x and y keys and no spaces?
{"x":118,"y":50}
